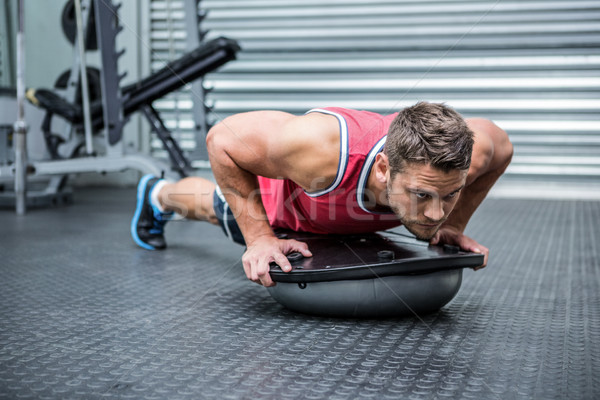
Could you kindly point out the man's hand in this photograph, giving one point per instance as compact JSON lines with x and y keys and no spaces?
{"x":451,"y":235}
{"x":266,"y":249}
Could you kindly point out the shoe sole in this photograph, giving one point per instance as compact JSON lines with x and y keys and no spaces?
{"x":141,"y":189}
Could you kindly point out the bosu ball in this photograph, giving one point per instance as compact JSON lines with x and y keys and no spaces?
{"x":385,"y":274}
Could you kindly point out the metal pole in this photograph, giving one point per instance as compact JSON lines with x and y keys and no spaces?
{"x":193,"y":39}
{"x":20,"y":126}
{"x":87,"y":121}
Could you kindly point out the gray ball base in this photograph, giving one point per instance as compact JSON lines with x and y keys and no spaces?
{"x":390,"y":296}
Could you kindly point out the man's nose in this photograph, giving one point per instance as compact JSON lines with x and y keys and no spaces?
{"x":435,"y":210}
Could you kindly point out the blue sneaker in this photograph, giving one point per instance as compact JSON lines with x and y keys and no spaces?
{"x":147,"y":225}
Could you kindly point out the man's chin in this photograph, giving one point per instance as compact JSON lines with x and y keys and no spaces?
{"x":422,"y":232}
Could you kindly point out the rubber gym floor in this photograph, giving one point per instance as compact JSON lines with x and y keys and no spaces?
{"x":86,"y":314}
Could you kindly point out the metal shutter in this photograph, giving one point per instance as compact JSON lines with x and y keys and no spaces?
{"x":531,"y":66}
{"x":172,"y":34}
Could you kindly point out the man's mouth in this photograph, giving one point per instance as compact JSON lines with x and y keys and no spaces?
{"x":428,"y":225}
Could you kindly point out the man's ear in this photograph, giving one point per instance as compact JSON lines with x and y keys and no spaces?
{"x":382,"y":168}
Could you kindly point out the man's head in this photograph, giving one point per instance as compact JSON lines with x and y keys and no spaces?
{"x":424,"y":165}
{"x":429,"y":133}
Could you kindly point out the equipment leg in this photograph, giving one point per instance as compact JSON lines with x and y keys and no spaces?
{"x":20,"y":127}
{"x":178,"y":158}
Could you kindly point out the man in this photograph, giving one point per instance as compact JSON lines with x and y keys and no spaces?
{"x":333,"y":170}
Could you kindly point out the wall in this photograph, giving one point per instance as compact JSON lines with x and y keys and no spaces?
{"x":532,"y":66}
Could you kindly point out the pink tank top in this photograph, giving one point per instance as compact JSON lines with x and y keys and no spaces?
{"x":339,"y":208}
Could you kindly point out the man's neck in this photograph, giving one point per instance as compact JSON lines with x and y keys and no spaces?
{"x":377,"y":190}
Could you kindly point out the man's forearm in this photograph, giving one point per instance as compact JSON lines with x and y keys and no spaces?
{"x":239,"y":186}
{"x":470,"y":199}
{"x":487,"y":168}
{"x":250,"y":215}
{"x":242,"y":192}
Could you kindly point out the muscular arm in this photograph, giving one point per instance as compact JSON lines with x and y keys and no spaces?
{"x":492,"y":153}
{"x":274,"y":145}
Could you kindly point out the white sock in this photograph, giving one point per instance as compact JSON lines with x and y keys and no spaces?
{"x":154,"y":195}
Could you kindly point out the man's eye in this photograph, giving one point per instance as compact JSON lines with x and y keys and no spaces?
{"x":421,"y":195}
{"x":452,"y":195}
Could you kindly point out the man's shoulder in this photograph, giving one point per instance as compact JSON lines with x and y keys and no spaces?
{"x":314,"y":126}
{"x":343,"y":112}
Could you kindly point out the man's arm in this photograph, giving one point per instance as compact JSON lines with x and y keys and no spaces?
{"x":274,"y":145}
{"x":492,"y":153}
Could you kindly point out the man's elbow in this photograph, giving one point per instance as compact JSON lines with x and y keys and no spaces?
{"x":217,"y":141}
{"x":502,"y":148}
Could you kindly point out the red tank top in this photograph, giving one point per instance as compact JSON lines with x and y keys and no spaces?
{"x":339,"y":208}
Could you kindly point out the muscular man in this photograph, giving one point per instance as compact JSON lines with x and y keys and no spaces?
{"x":333,"y":170}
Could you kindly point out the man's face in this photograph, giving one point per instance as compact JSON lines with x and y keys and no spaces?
{"x":423,"y":197}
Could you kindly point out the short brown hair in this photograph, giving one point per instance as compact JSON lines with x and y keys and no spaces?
{"x":429,"y":133}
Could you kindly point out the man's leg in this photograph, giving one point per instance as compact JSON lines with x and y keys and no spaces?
{"x":190,"y":197}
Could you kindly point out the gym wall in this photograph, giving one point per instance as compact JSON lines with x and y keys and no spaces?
{"x":532,"y":66}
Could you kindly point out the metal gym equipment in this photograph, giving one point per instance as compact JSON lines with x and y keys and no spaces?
{"x":20,"y":127}
{"x":110,"y":113}
{"x":139,"y":97}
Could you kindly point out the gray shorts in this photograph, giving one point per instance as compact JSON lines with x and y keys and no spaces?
{"x":226,"y":218}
